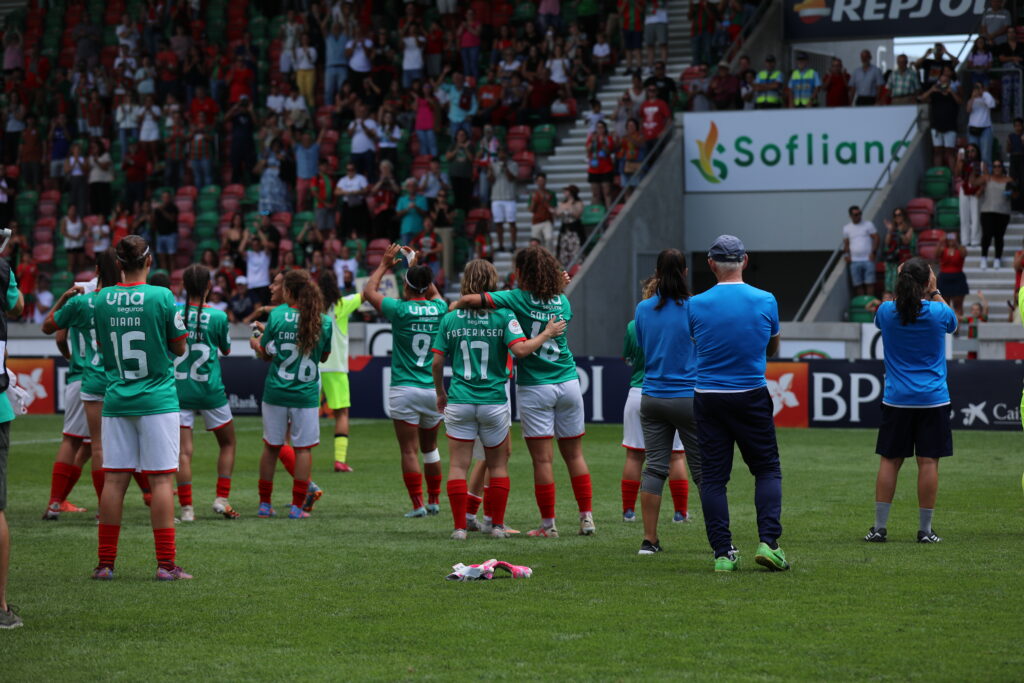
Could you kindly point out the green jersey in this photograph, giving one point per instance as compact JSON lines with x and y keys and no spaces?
{"x":134,"y":324}
{"x":293,"y":380}
{"x":478,"y":342}
{"x":197,"y":373}
{"x":413,"y":327}
{"x":76,"y":316}
{"x":552,"y":363}
{"x":633,"y":355}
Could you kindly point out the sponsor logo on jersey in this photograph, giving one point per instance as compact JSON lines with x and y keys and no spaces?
{"x":121,"y":298}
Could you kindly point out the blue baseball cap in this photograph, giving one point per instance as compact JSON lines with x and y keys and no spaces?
{"x":728,"y":249}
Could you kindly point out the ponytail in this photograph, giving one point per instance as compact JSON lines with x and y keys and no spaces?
{"x":911,"y":283}
{"x":671,"y":285}
{"x":196,"y":280}
{"x":310,"y":304}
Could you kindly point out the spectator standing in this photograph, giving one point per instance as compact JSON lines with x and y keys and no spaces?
{"x":381,"y":200}
{"x":76,"y":170}
{"x":432,"y":182}
{"x":934,"y":63}
{"x":461,"y":103}
{"x":30,"y":154}
{"x":656,"y":30}
{"x":305,"y":69}
{"x":257,"y":268}
{"x":542,"y":204}
{"x":900,"y":245}
{"x":101,"y":236}
{"x":1010,"y":58}
{"x":241,"y":152}
{"x":390,"y":134}
{"x":951,"y":281}
{"x":60,"y":145}
{"x":734,"y":327}
{"x":239,"y":81}
{"x":364,"y":133}
{"x":503,"y":173}
{"x":903,"y":85}
{"x":352,"y":189}
{"x":979,"y":61}
{"x":996,"y":190}
{"x":656,"y":116}
{"x":600,"y":164}
{"x":804,"y":84}
{"x":666,"y":86}
{"x":468,"y":34}
{"x":460,"y":169}
{"x":768,"y":86}
{"x":201,"y":152}
{"x":135,"y":170}
{"x":175,"y":150}
{"x":865,"y":82}
{"x":631,"y":13}
{"x":427,"y":117}
{"x":203,"y":104}
{"x":724,"y":89}
{"x":413,"y":42}
{"x":336,"y":68}
{"x":979,"y":122}
{"x":165,"y":224}
{"x":359,"y":51}
{"x":860,"y":243}
{"x":631,"y":154}
{"x":72,"y":229}
{"x":321,"y":187}
{"x":837,"y":85}
{"x":307,"y":153}
{"x":996,"y":23}
{"x":703,"y":18}
{"x":943,"y":112}
{"x":273,"y":191}
{"x":570,"y":235}
{"x":149,"y":128}
{"x":540,"y":95}
{"x":101,"y":175}
{"x":411,"y":208}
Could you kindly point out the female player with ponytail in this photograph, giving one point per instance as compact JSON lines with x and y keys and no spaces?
{"x":295,"y":339}
{"x":411,"y":399}
{"x":479,"y":343}
{"x":915,"y":400}
{"x":201,"y":390}
{"x":136,"y":325}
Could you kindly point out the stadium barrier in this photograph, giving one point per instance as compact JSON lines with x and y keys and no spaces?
{"x":806,"y":394}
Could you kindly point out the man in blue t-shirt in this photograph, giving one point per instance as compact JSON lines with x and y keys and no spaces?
{"x":735,"y":327}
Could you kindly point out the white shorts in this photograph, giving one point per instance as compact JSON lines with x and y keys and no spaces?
{"x":946,"y":139}
{"x":503,"y":211}
{"x":214,"y":419}
{"x":550,"y":410}
{"x":75,"y":423}
{"x":142,"y":443}
{"x":92,"y":398}
{"x":467,"y":421}
{"x":415,"y":406}
{"x":632,"y":428}
{"x":305,"y":424}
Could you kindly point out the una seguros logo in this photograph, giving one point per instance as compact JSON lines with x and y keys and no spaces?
{"x":705,"y":162}
{"x":811,"y":11}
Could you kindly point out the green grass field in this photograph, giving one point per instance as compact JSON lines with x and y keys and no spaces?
{"x":358,"y":592}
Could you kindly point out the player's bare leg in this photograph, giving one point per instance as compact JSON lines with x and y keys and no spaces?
{"x":432,"y":470}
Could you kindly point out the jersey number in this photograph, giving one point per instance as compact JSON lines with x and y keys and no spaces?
{"x":549,"y":350}
{"x":124,"y":353}
{"x":485,"y":353}
{"x":421,"y":347}
{"x":83,"y":346}
{"x":307,"y":368}
{"x":193,"y":373}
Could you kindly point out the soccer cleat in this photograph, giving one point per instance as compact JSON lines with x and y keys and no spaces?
{"x":510,"y":531}
{"x":222,"y":507}
{"x":484,"y":526}
{"x":472,"y":524}
{"x":433,"y":509}
{"x":418,"y":512}
{"x":875,"y":535}
{"x":927,"y":537}
{"x":498,"y":531}
{"x":173,"y":574}
{"x":52,"y":513}
{"x":587,"y":527}
{"x":103,"y":573}
{"x":9,"y":618}
{"x":341,"y":467}
{"x":298,"y":513}
{"x":543,"y":532}
{"x":772,"y":558}
{"x":648,"y":548}
{"x":729,"y":562}
{"x":629,"y":516}
{"x":680,"y":518}
{"x":313,"y":494}
{"x":266,"y":510}
{"x":66,"y":506}
{"x":188,"y":513}
{"x":458,"y":535}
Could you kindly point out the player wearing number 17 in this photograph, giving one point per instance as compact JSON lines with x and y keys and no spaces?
{"x":136,"y":325}
{"x":296,"y":338}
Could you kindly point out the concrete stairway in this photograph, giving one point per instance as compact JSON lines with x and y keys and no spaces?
{"x":997,"y":284}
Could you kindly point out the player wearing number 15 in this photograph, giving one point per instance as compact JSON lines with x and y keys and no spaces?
{"x":295,"y":339}
{"x":136,"y":325}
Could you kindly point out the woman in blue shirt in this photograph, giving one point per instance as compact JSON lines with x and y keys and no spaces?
{"x":915,"y":402}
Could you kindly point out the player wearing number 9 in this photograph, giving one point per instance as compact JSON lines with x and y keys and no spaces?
{"x":136,"y":325}
{"x":547,"y":386}
{"x":296,"y":338}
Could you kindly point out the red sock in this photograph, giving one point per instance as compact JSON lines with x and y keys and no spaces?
{"x":185,"y":493}
{"x":630,"y":489}
{"x":414,"y":484}
{"x":582,"y":489}
{"x":266,"y":488}
{"x":473,"y":503}
{"x":457,"y":499}
{"x":108,"y":544}
{"x":73,"y":477}
{"x":680,"y":493}
{"x":434,"y":488}
{"x":223,"y":487}
{"x":299,"y":489}
{"x":142,"y":480}
{"x":97,"y":483}
{"x":488,"y":499}
{"x":287,"y":457}
{"x":163,"y":539}
{"x":545,"y":494}
{"x":59,"y":481}
{"x":499,"y":494}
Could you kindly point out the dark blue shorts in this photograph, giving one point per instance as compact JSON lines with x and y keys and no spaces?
{"x":906,"y":432}
{"x":634,"y":40}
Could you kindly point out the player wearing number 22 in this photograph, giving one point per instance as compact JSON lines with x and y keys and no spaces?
{"x":136,"y":325}
{"x":296,"y":338}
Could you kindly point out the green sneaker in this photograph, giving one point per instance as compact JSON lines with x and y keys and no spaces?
{"x":729,"y":562}
{"x":774,"y":560}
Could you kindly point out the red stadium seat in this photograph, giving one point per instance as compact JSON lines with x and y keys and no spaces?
{"x":526,"y":161}
{"x":375,"y":251}
{"x":516,"y":143}
{"x":188,"y":191}
{"x":187,"y":219}
{"x":42,"y":236}
{"x":43,"y":253}
{"x":477,"y":215}
{"x":233,"y":190}
{"x":920,"y":212}
{"x":46,"y":223}
{"x":184,"y":204}
{"x":928,"y":242}
{"x":230,"y":203}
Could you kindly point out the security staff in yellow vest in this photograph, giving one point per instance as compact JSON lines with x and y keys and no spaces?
{"x":804,"y":84}
{"x":768,"y":86}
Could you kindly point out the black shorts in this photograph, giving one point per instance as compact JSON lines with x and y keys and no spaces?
{"x":600,"y":177}
{"x":906,"y":432}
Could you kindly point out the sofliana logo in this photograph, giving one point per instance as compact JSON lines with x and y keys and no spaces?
{"x":811,"y":11}
{"x":706,"y":163}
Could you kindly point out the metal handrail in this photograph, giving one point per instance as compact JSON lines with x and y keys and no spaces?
{"x":883,"y":178}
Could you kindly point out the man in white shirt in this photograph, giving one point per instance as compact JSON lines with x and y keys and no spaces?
{"x":860,"y":242}
{"x":352,"y":188}
{"x":359,"y":53}
{"x":276,"y":98}
{"x":364,"y":133}
{"x":257,"y":269}
{"x":344,"y":262}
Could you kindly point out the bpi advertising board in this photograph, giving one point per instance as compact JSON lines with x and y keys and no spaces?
{"x":823,"y":19}
{"x":842,"y":148}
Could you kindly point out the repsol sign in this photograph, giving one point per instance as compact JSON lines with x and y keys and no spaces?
{"x":824,"y":19}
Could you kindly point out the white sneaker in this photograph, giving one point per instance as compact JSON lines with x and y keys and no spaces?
{"x":472,"y":524}
{"x":484,"y":526}
{"x":220,"y":505}
{"x":459,"y":535}
{"x":587,"y":527}
{"x":498,"y":531}
{"x":983,"y":264}
{"x":997,"y":264}
{"x":188,"y":513}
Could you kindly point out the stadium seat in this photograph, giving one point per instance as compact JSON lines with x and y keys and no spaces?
{"x":947,"y":213}
{"x":858,"y":312}
{"x":928,"y":243}
{"x":43,"y":253}
{"x":920,"y":212}
{"x":937,"y":182}
{"x":375,"y":251}
{"x":592,"y":215}
{"x":233,"y":191}
{"x":526,"y":161}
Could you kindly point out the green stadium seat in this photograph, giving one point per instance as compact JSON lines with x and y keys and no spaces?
{"x":937,"y":182}
{"x":592,"y":215}
{"x":947,"y":213}
{"x":858,"y":312}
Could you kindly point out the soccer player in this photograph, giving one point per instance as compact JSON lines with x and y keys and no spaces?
{"x":334,"y":371}
{"x":294,"y":340}
{"x":479,"y":343}
{"x":915,"y":401}
{"x":12,"y":304}
{"x":547,"y":386}
{"x":136,"y":325}
{"x":201,"y":390}
{"x":411,"y":399}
